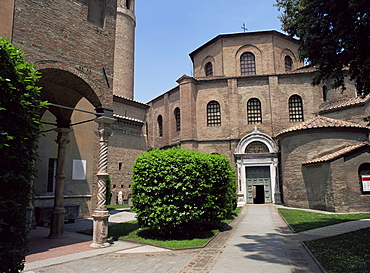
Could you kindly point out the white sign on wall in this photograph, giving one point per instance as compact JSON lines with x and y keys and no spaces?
{"x":79,"y":169}
{"x":366,"y":183}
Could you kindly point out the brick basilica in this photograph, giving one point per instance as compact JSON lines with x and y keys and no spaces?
{"x":249,"y":98}
{"x":290,"y":142}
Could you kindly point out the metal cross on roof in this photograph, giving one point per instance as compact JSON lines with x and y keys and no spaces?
{"x":244,"y":28}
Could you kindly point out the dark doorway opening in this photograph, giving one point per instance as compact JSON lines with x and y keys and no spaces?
{"x":259,"y":194}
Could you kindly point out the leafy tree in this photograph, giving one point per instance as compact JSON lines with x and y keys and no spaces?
{"x":174,"y":188}
{"x":19,"y":128}
{"x":334,"y":36}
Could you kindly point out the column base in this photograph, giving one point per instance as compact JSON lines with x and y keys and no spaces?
{"x":100,"y":231}
{"x":57,"y":223}
{"x":96,"y":245}
{"x":278,"y":198}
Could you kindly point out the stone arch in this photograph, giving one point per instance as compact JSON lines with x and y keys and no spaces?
{"x":94,"y":94}
{"x":264,"y":162}
{"x":256,"y":135}
{"x":64,"y":86}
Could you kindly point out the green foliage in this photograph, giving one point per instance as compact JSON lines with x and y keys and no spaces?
{"x":301,"y":220}
{"x":19,"y":129}
{"x":334,"y":37}
{"x":174,"y":188}
{"x":118,"y":207}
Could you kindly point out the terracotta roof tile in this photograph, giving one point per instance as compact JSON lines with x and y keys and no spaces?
{"x":127,"y":99}
{"x":337,"y":154}
{"x":127,"y":118}
{"x":345,"y":103}
{"x":322,"y":122}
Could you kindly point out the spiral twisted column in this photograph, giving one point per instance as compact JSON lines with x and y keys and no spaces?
{"x":101,"y":215}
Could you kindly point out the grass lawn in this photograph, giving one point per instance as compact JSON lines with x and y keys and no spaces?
{"x":118,"y":207}
{"x":301,"y":220}
{"x":191,"y":238}
{"x":197,"y":236}
{"x":349,"y":252}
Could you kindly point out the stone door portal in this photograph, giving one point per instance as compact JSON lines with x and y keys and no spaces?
{"x":258,"y":184}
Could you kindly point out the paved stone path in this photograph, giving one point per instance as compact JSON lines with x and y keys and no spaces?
{"x":257,"y":241}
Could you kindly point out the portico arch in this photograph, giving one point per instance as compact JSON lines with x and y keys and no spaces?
{"x":75,"y":101}
{"x":257,"y":165}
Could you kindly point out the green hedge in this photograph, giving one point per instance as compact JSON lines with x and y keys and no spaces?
{"x":19,"y":130}
{"x":174,"y":188}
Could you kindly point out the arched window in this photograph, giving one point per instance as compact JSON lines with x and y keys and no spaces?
{"x":288,"y":63}
{"x":129,"y":4}
{"x":254,"y":111}
{"x":364,"y":174}
{"x":213,"y":114}
{"x":295,"y":108}
{"x":177,"y":118}
{"x":160,"y":125}
{"x":256,"y":147}
{"x":247,"y":64}
{"x":324,"y":93}
{"x":208,"y":69}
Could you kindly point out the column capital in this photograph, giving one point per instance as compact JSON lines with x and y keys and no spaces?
{"x":63,"y":131}
{"x":103,"y":120}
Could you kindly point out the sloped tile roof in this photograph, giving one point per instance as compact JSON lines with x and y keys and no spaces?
{"x":322,"y":122}
{"x":127,"y":118}
{"x":345,"y":103}
{"x":337,"y":154}
{"x":130,"y":100}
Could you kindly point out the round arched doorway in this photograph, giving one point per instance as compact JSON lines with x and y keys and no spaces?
{"x":257,"y":163}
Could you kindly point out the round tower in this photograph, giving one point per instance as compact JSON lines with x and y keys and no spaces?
{"x":123,"y":80}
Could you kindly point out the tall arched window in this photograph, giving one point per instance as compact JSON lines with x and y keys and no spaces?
{"x":364,"y":174}
{"x":177,"y":119}
{"x":288,"y":63}
{"x":213,"y":114}
{"x":324,"y":93}
{"x":254,"y":111}
{"x":295,"y":108}
{"x":208,"y":69}
{"x":160,"y":125}
{"x":247,"y":64}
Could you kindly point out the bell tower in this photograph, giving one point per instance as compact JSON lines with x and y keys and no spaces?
{"x":123,"y":80}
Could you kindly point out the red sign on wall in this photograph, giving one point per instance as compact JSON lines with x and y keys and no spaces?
{"x":365,"y":183}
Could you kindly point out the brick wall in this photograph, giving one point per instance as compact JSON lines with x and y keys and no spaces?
{"x":58,"y":31}
{"x":298,"y":184}
{"x":76,"y":59}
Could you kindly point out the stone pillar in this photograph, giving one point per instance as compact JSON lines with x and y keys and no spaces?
{"x":277,"y":185}
{"x":58,"y":212}
{"x":101,"y":215}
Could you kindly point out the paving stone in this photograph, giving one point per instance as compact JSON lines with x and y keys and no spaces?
{"x":258,"y":240}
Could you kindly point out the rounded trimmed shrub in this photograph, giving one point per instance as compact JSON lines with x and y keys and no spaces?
{"x":175,"y":187}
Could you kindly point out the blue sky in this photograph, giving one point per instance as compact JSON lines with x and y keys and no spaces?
{"x":168,"y":30}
